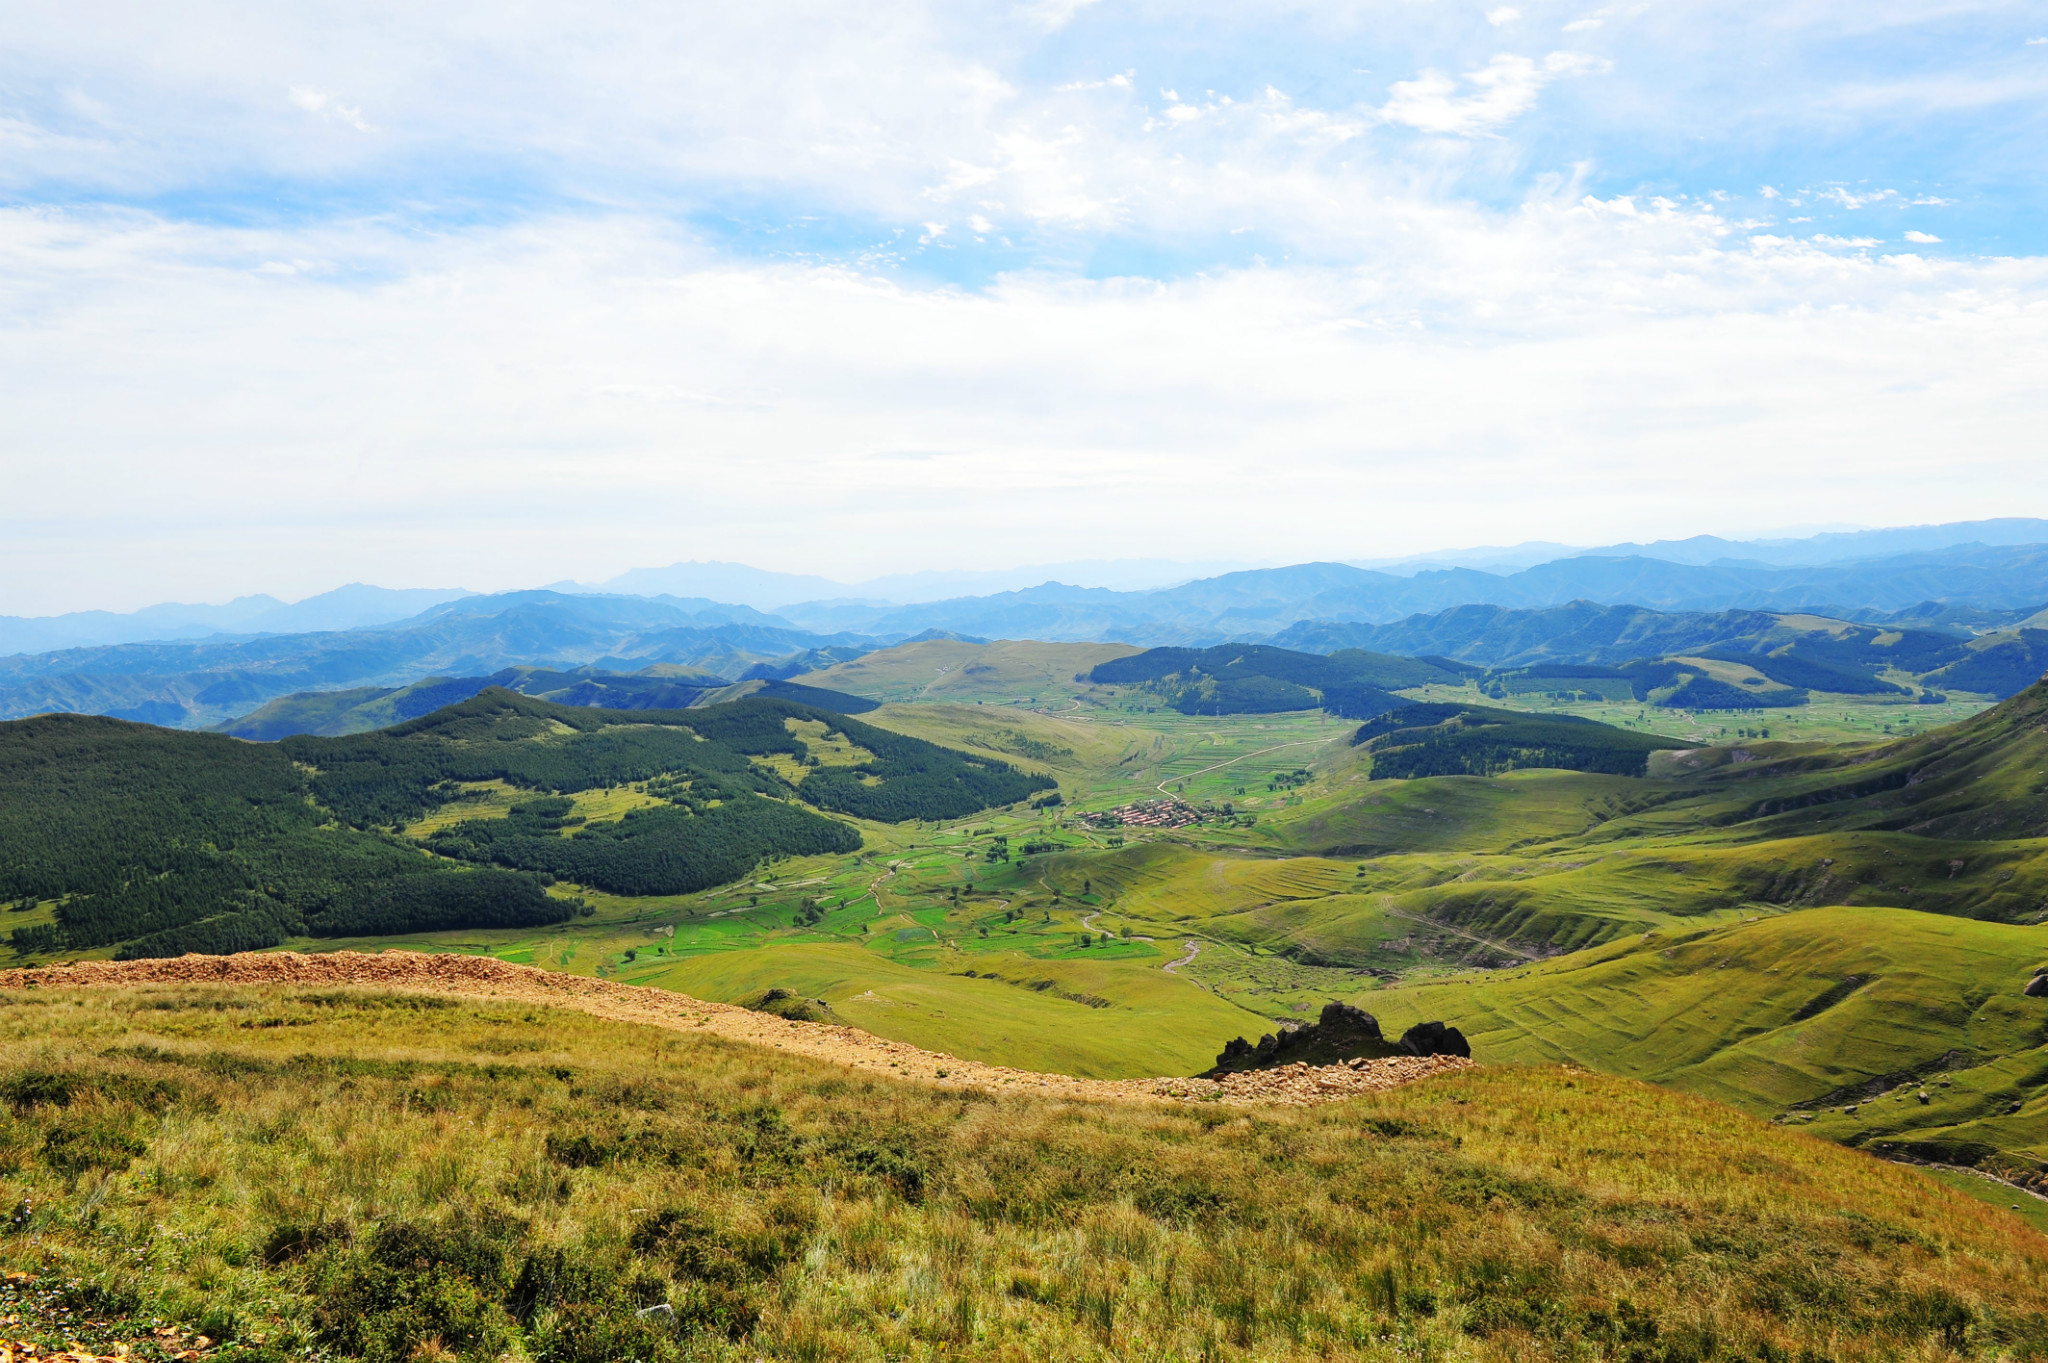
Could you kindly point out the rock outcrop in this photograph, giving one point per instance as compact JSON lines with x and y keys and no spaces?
{"x":1341,"y":1033}
{"x":1434,"y":1038}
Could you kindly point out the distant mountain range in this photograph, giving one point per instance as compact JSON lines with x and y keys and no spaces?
{"x":1262,"y":602}
{"x":352,"y":607}
{"x":190,"y":684}
{"x":662,"y":687}
{"x":1597,"y":607}
{"x":1834,"y":546}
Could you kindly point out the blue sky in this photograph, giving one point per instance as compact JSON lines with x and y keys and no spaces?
{"x":461,"y":293}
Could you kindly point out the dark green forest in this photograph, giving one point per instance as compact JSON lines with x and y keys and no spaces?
{"x":666,"y":850}
{"x":160,"y":842}
{"x":169,"y":842}
{"x":1474,"y":740}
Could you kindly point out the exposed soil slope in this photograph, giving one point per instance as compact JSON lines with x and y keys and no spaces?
{"x":1293,"y":1085}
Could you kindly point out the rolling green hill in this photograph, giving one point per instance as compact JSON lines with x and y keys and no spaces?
{"x":112,"y":832}
{"x":958,"y":671}
{"x":164,"y":842}
{"x":1797,"y":1015}
{"x":1242,"y":679}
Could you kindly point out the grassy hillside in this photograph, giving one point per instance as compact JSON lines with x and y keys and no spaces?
{"x":1074,"y":749}
{"x":394,"y":1177}
{"x":953,"y":670}
{"x":1254,"y":679}
{"x":1095,"y":1018}
{"x":164,"y":842}
{"x":1795,"y":1015}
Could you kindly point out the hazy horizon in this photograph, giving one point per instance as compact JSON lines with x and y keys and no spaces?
{"x":757,"y":585}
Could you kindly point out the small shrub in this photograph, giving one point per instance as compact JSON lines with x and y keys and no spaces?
{"x":73,"y":1150}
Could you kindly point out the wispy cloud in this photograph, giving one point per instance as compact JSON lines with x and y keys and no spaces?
{"x":1851,"y":200}
{"x":1496,"y":94}
{"x":326,"y":106}
{"x":1922,"y":238}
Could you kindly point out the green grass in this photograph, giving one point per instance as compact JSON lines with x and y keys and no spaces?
{"x":2032,"y":1210}
{"x":951,"y":670}
{"x":388,"y":1178}
{"x":1825,"y":718}
{"x":1099,"y":1019}
{"x":1795,"y":1015}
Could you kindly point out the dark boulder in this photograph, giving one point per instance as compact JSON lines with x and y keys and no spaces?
{"x":1341,"y":1033}
{"x":2037,"y":988}
{"x":1433,"y":1038}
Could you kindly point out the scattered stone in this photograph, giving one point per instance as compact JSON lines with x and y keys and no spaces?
{"x":663,"y":1314}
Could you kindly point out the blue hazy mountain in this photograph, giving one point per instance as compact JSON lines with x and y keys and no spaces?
{"x":206,"y":681}
{"x":352,"y":607}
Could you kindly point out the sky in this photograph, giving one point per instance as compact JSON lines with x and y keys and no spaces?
{"x":496,"y":295}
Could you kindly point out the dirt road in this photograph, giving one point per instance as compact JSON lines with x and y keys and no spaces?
{"x":486,"y":977}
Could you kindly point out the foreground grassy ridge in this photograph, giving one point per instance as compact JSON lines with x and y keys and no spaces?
{"x":395,"y":1177}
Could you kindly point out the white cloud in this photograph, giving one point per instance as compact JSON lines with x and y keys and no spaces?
{"x":1922,"y":238}
{"x":1851,"y":200}
{"x":326,"y":106}
{"x":1505,"y":88}
{"x":1503,"y":16}
{"x":1857,"y":242}
{"x":511,"y":379}
{"x":274,"y":387}
{"x":1120,"y":81}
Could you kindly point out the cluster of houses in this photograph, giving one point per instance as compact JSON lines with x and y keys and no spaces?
{"x":1150,"y":814}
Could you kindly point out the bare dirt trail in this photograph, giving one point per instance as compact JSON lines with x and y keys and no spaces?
{"x":487,"y":977}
